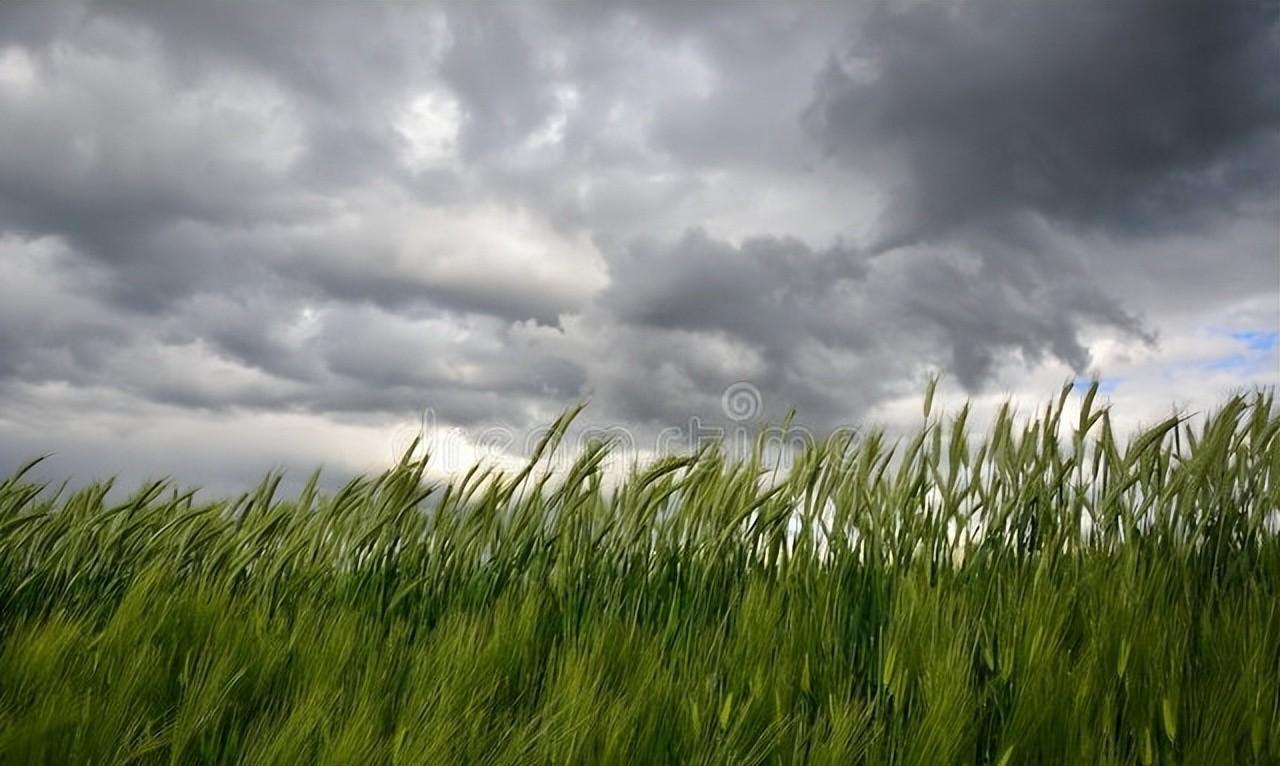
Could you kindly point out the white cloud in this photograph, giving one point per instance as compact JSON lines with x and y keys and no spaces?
{"x":17,"y":71}
{"x":429,"y":124}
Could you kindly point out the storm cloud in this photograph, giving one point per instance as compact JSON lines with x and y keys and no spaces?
{"x":344,"y":216}
{"x":1125,"y":116}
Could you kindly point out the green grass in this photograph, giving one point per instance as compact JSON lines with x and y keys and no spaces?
{"x":1036,"y":593}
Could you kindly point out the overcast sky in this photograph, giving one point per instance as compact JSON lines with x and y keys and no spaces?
{"x":237,"y":236}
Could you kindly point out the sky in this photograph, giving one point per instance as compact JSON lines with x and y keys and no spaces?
{"x":234,"y":237}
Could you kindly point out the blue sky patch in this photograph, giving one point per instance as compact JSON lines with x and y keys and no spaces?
{"x":1106,"y":386}
{"x":1258,"y":340}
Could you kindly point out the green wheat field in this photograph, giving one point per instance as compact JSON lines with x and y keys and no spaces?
{"x":1032,"y":590}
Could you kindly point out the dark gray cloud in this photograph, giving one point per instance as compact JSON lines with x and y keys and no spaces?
{"x":794,"y":320}
{"x":335,"y":215}
{"x":503,"y":77}
{"x":994,"y":126}
{"x":981,"y":309}
{"x":1128,"y":116}
{"x":765,"y":292}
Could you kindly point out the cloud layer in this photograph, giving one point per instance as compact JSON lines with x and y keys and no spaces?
{"x":343,"y":216}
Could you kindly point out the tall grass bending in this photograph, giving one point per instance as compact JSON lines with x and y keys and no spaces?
{"x":1040,"y":592}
